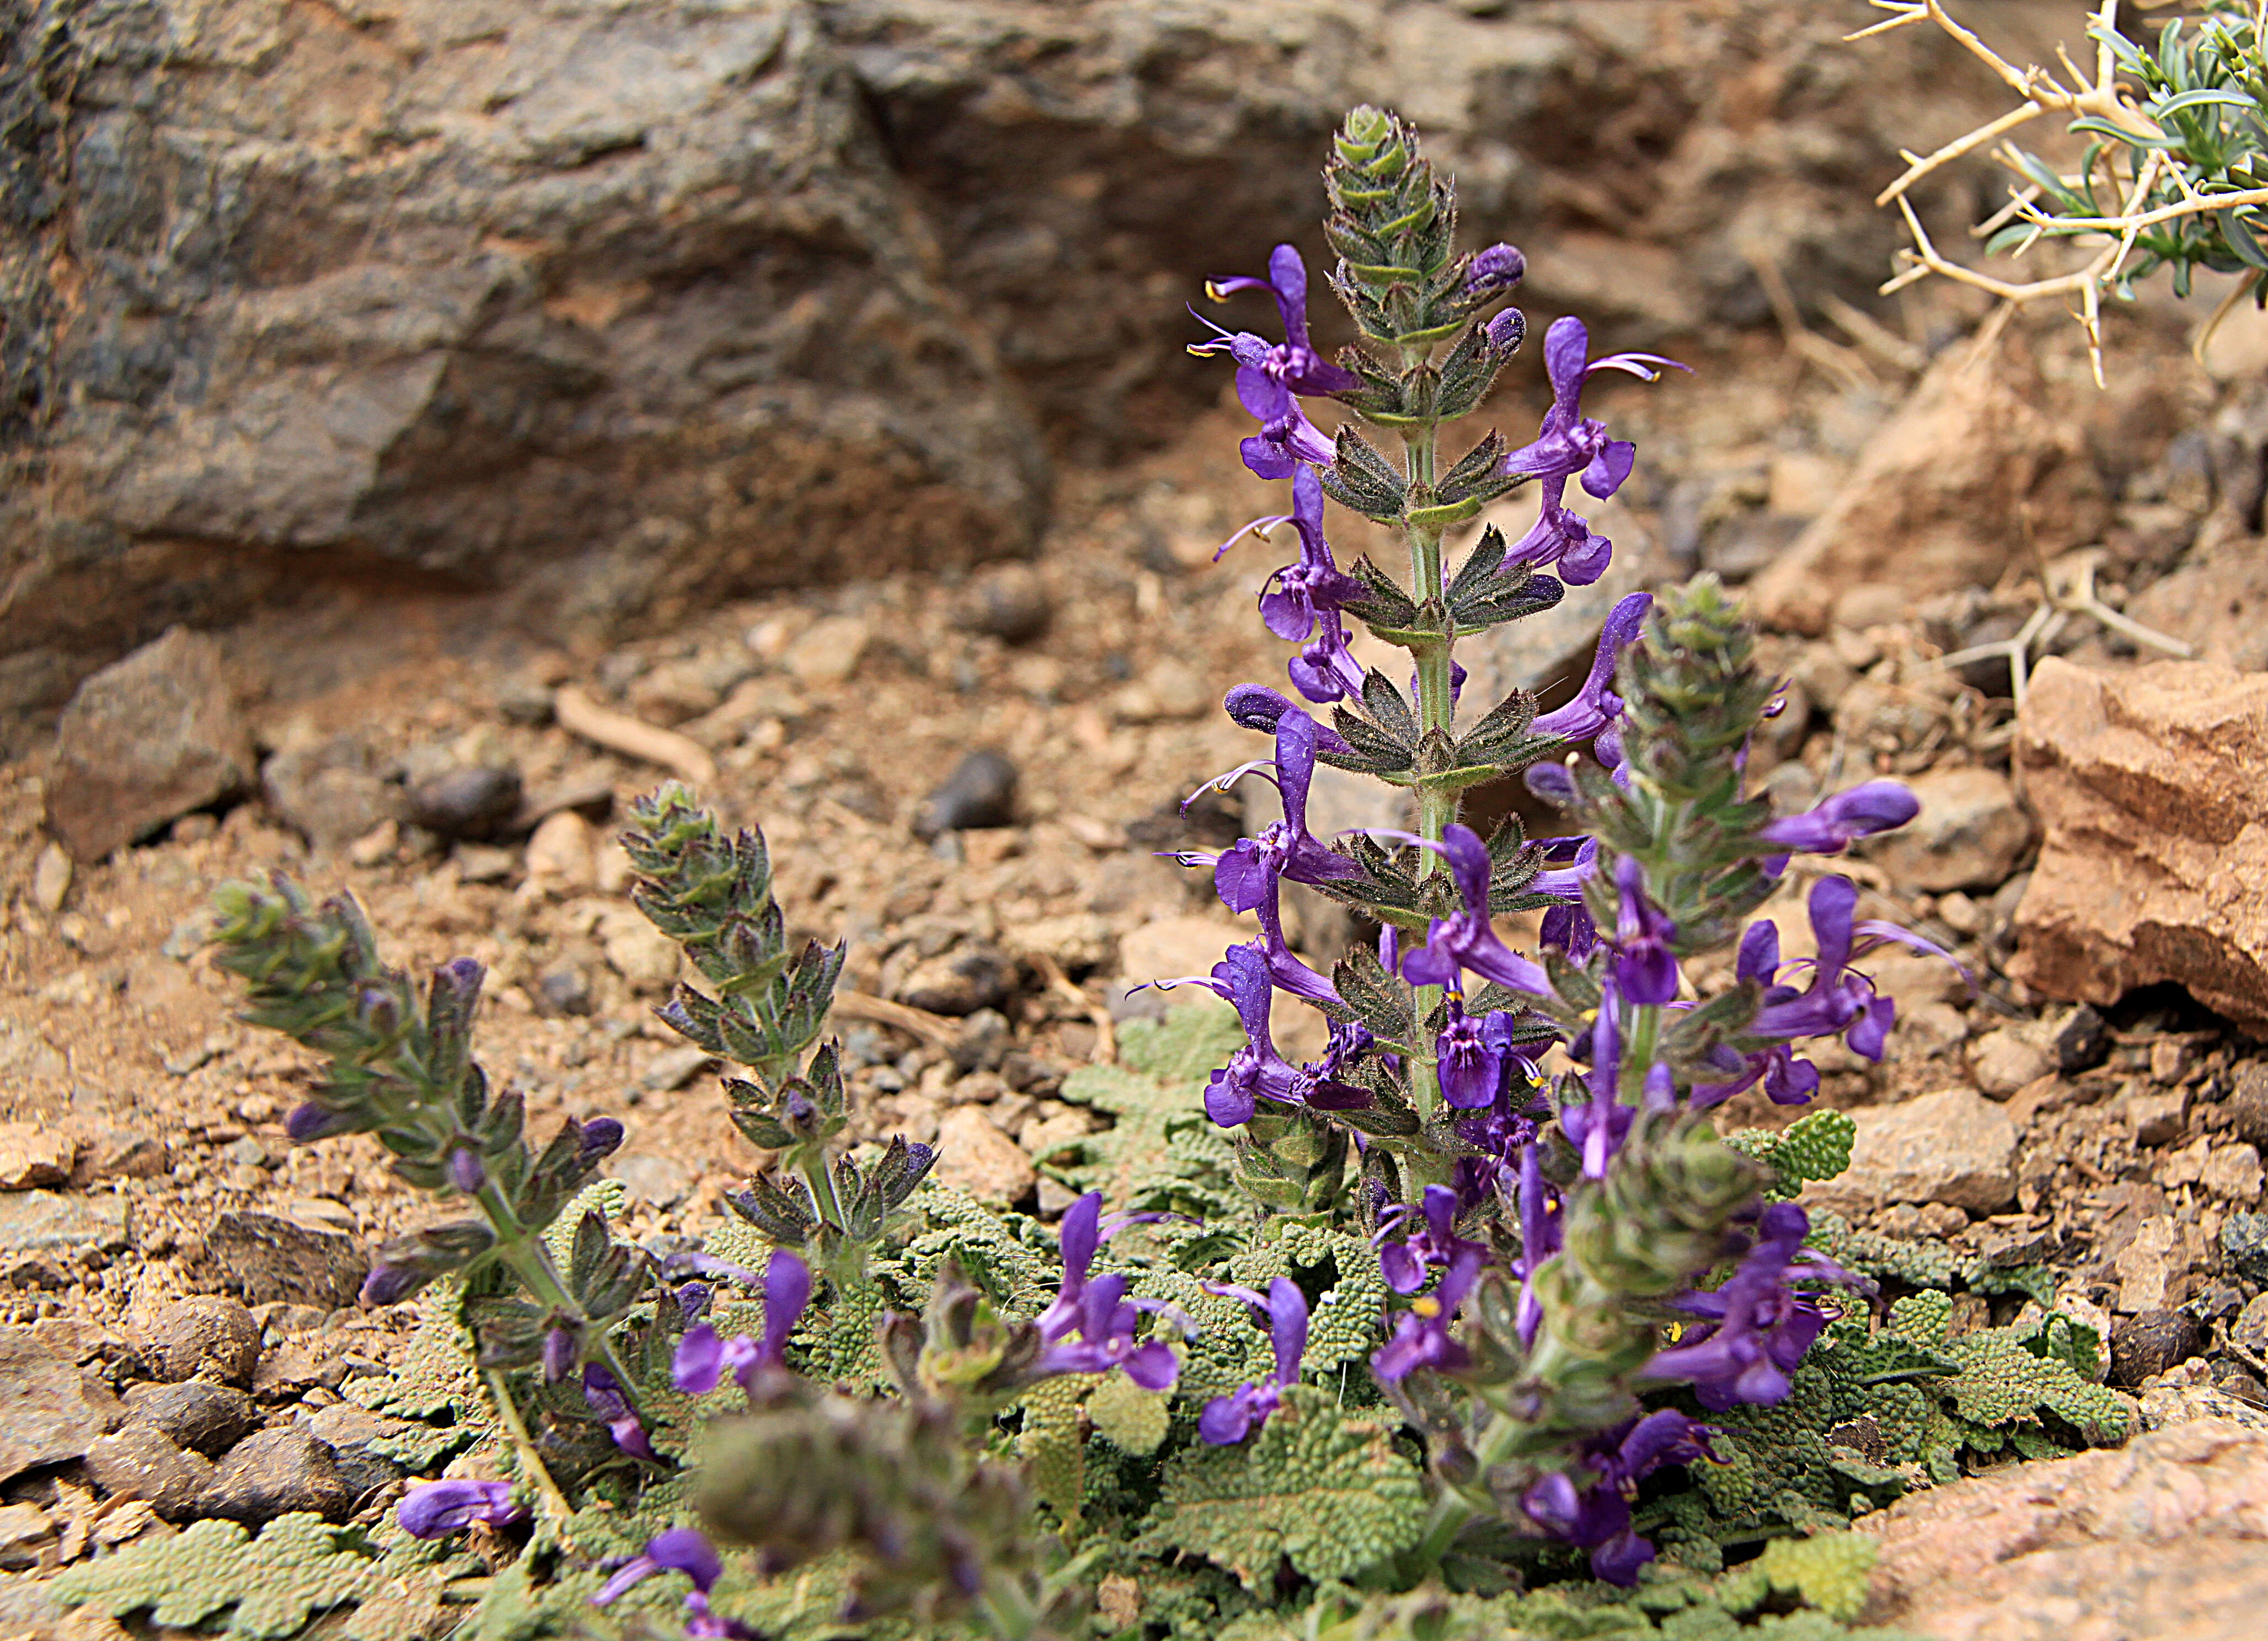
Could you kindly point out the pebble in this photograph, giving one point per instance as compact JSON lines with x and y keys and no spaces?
{"x":2244,"y":1239}
{"x":1008,"y":602}
{"x":327,"y":791}
{"x":559,"y":854}
{"x":34,"y":1154}
{"x":275,"y":1471}
{"x":467,"y":802}
{"x":141,"y":1461}
{"x":1076,"y":942}
{"x":349,"y":1430}
{"x":673,"y":1067}
{"x":2005,"y":1060}
{"x":980,"y":792}
{"x":51,"y":879}
{"x":564,"y":991}
{"x":2144,"y":1346}
{"x":197,"y":1414}
{"x":964,"y":980}
{"x":2247,"y":1104}
{"x":976,"y":1157}
{"x":828,"y":652}
{"x":637,"y":951}
{"x":302,"y":1254}
{"x":1171,"y":689}
{"x":206,"y":1335}
{"x":2250,"y":1328}
{"x":2158,"y":1119}
{"x":49,"y":1412}
{"x":663,"y":1181}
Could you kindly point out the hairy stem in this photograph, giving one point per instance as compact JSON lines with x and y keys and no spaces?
{"x":1436,"y":809}
{"x":524,"y":1254}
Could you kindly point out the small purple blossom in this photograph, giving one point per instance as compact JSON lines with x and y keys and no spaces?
{"x":1472,"y":1057}
{"x":1089,"y":1326}
{"x":1244,"y":979}
{"x":680,"y":1549}
{"x":436,"y":1509}
{"x":1227,"y":1420}
{"x":1840,"y":820}
{"x":597,"y":1138}
{"x":1429,"y":1238}
{"x":1597,"y":1517}
{"x":1542,"y":1233}
{"x":1255,"y":706}
{"x":1295,"y":596}
{"x":391,"y":1284}
{"x":1595,"y":704}
{"x":1754,"y":1330}
{"x":1325,"y":669}
{"x":310,"y":1121}
{"x":1570,"y":446}
{"x":1466,"y":940}
{"x":1498,"y":268}
{"x":1646,"y":968}
{"x":1293,"y":363}
{"x":466,"y":1170}
{"x":1246,"y":875}
{"x":604,"y":1395}
{"x":1421,"y":1334}
{"x":560,"y":1348}
{"x":704,"y":1357}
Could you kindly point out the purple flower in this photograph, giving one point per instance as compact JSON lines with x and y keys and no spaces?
{"x":1839,"y":1002}
{"x":1787,"y":1080}
{"x":1836,"y":823}
{"x":1228,"y":1419}
{"x":390,"y":1284}
{"x":1303,"y":592}
{"x":1294,"y":362}
{"x":1499,"y":1129}
{"x":1430,"y":1239}
{"x":559,"y":1352}
{"x":1596,"y":1126}
{"x":466,"y":1170}
{"x":1466,"y":940}
{"x":1255,"y":706}
{"x":1646,"y":969}
{"x":1325,"y":669}
{"x":436,"y":1509}
{"x":1542,"y":1233}
{"x":597,"y":1138}
{"x":311,"y":1122}
{"x":704,"y":1357}
{"x":680,"y":1549}
{"x":1246,"y":876}
{"x":1755,"y":1329}
{"x":1570,"y":445}
{"x":1597,"y":1517}
{"x":1499,"y":268}
{"x":604,"y":1395}
{"x":1595,"y":705}
{"x":1472,"y":1057}
{"x":1089,"y":1328}
{"x":1246,"y":979}
{"x":1421,"y":1334}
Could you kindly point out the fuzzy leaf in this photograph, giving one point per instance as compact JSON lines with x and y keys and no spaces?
{"x":300,"y":1565}
{"x":1162,"y":1150}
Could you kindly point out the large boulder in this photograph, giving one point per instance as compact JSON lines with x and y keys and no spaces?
{"x":2152,"y":788}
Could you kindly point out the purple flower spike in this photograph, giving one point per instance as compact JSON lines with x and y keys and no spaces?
{"x":1595,"y":704}
{"x":1467,"y":940}
{"x":1754,"y":1330}
{"x":1227,"y":1420}
{"x":601,"y":1136}
{"x":1646,"y":968}
{"x":1837,"y":822}
{"x":311,"y":1122}
{"x":436,"y":1509}
{"x":1293,"y":363}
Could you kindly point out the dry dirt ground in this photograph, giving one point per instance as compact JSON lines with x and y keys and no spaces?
{"x":831,"y":716}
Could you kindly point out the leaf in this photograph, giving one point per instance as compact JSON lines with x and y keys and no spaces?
{"x":1161,"y":1150}
{"x":1331,"y":1492}
{"x":300,"y":1565}
{"x":1828,"y":1570}
{"x":1128,"y":1416}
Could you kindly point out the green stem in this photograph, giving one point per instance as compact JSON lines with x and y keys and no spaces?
{"x":819,"y":1180}
{"x":531,"y":1458}
{"x":1436,"y":709}
{"x":524,"y":1252}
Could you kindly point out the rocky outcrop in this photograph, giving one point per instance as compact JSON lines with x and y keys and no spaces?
{"x":2152,"y":787}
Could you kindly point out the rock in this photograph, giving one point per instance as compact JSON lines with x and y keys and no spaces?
{"x":637,"y":951}
{"x":1075,"y":942}
{"x":197,"y":1414}
{"x":2145,"y":1345}
{"x":2158,"y":1119}
{"x":53,"y":1223}
{"x":1008,"y":602}
{"x":980,"y":792}
{"x":2158,"y":1540}
{"x":32,"y":1154}
{"x":145,"y":741}
{"x":564,"y":991}
{"x":2247,"y":1104}
{"x":1969,"y":834}
{"x":329,"y":791}
{"x":275,"y":1471}
{"x":2150,"y":787}
{"x":1171,"y":689}
{"x":976,"y":1157}
{"x":2251,"y":1328}
{"x":50,"y":1413}
{"x":349,"y":1432}
{"x":293,"y":1256}
{"x":2083,"y":1042}
{"x":2216,"y":601}
{"x":205,"y":1335}
{"x":1170,"y":948}
{"x":2005,"y":1060}
{"x":663,"y":1181}
{"x":2149,"y":1268}
{"x":141,"y":1461}
{"x":118,"y":1153}
{"x":469,"y":802}
{"x":828,"y":652}
{"x":25,"y":1529}
{"x":673,"y":1067}
{"x":2178,"y":1400}
{"x":969,"y":978}
{"x":1953,"y":1147}
{"x":559,"y":854}
{"x":51,"y":879}
{"x":2233,"y":1174}
{"x":1972,"y":469}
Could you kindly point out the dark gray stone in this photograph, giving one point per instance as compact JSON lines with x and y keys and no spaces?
{"x":1008,"y":602}
{"x":197,"y":1414}
{"x":963,"y":981}
{"x":466,"y":803}
{"x":144,"y":741}
{"x":208,"y":1334}
{"x":2082,"y":1042}
{"x":2145,"y":1345}
{"x":142,"y":1462}
{"x":50,"y":1412}
{"x":349,"y":1430}
{"x":294,"y":1257}
{"x":2244,"y":1239}
{"x":980,"y":792}
{"x":275,"y":1471}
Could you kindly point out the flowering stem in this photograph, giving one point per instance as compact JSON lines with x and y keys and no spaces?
{"x":529,"y":1259}
{"x":1436,"y":708}
{"x":531,"y":1457}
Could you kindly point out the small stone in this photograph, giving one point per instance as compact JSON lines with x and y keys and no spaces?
{"x":2247,"y":1104}
{"x":2233,"y":1174}
{"x":984,"y":1039}
{"x":467,"y":802}
{"x":2170,"y":1059}
{"x":564,"y":991}
{"x":1171,"y":689}
{"x":663,"y":1181}
{"x":207,"y":1335}
{"x":2144,"y":1346}
{"x":524,"y":699}
{"x":976,"y":1157}
{"x":2158,"y":1119}
{"x":2008,"y":1242}
{"x":117,"y":1153}
{"x":963,"y":981}
{"x":1008,"y":602}
{"x":829,"y":652}
{"x":142,"y":1463}
{"x":2150,"y":1267}
{"x":275,"y":1471}
{"x":2250,"y":1328}
{"x":483,"y":862}
{"x":1953,"y":1147}
{"x":145,"y":741}
{"x":981,"y":792}
{"x":25,"y":1529}
{"x":329,"y":792}
{"x":2083,"y":1041}
{"x":49,"y":1412}
{"x":197,"y":1414}
{"x":637,"y":951}
{"x":1969,"y":834}
{"x":246,"y":1151}
{"x":2005,"y":1060}
{"x":673,"y":1067}
{"x":2244,"y":1239}
{"x":1075,"y":943}
{"x":349,"y":1430}
{"x":33,"y":1154}
{"x":51,"y":1222}
{"x":51,"y":879}
{"x":559,"y":854}
{"x":295,"y":1255}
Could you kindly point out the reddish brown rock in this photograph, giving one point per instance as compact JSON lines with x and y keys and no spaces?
{"x":1947,"y":496}
{"x":2164,"y":1540}
{"x":2152,"y":787}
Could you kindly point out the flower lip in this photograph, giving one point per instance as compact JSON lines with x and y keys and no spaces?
{"x":436,"y":1509}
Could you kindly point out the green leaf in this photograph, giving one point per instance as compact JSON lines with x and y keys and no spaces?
{"x":1161,"y":1148}
{"x":300,"y":1565}
{"x":1332,"y":1493}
